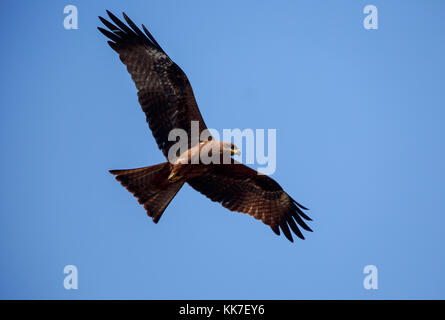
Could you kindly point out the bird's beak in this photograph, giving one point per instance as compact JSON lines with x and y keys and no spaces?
{"x":236,"y":152}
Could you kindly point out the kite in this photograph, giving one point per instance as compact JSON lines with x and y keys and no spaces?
{"x":167,"y":99}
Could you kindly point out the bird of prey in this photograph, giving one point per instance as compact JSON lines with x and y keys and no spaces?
{"x":167,"y":99}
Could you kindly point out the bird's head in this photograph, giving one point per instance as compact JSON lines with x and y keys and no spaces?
{"x":228,"y":147}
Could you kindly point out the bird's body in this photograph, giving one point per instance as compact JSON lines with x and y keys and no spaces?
{"x":194,"y":161}
{"x":167,"y":99}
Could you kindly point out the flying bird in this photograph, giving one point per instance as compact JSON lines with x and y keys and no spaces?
{"x":167,"y":99}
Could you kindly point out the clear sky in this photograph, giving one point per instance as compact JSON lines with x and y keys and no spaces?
{"x":360,"y":141}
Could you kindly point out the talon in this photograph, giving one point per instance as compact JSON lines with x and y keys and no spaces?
{"x":173,"y":177}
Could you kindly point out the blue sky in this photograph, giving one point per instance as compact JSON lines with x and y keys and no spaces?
{"x":359,"y":118}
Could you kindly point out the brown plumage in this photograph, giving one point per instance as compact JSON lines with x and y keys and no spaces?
{"x":167,"y":99}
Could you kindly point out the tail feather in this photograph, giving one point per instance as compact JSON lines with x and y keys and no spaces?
{"x":150,"y":186}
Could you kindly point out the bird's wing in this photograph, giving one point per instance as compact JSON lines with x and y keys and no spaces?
{"x":164,"y":92}
{"x":240,"y":188}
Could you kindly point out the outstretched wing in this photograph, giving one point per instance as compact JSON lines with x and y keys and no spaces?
{"x":164,"y":92}
{"x":240,"y":188}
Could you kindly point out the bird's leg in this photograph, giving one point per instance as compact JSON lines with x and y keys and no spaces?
{"x":173,"y":177}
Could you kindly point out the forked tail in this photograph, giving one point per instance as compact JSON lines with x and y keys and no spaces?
{"x":150,"y":186}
